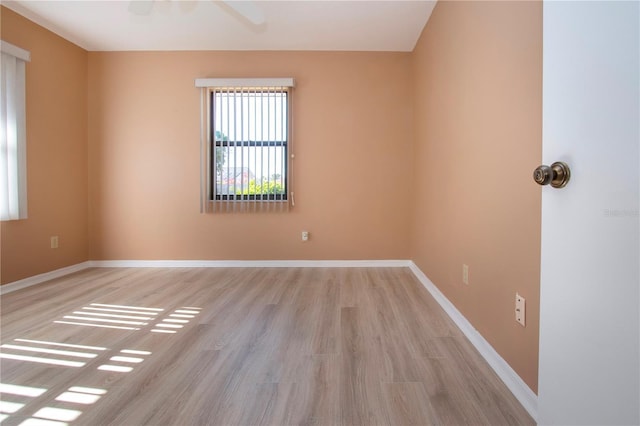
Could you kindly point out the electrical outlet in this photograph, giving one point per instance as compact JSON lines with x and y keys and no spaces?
{"x":54,"y":242}
{"x":465,"y":274}
{"x":520,"y":311}
{"x":305,"y":236}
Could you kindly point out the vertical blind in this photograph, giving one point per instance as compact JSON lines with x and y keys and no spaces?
{"x":13,"y":143}
{"x":246,"y":145}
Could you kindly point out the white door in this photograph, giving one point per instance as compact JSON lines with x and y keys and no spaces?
{"x":589,"y":308}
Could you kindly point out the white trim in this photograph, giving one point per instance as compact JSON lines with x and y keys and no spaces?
{"x":251,"y":263}
{"x":245,"y":82}
{"x":38,"y":279}
{"x":516,"y":385}
{"x":16,"y":51}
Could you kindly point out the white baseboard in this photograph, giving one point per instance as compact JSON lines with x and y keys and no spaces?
{"x":516,"y":385}
{"x":251,"y":263}
{"x":38,"y":279}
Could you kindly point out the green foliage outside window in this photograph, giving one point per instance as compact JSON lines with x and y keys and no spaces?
{"x":265,"y":187}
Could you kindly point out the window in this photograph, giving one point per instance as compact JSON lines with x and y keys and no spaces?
{"x":13,"y":147}
{"x":250,"y":140}
{"x":247,"y":138}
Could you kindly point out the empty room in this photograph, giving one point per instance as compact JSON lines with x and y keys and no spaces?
{"x":220,"y":212}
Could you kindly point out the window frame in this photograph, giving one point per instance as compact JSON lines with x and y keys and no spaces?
{"x":216,"y":143}
{"x":210,"y":202}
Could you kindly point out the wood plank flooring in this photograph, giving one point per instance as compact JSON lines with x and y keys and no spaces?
{"x":277,"y":346}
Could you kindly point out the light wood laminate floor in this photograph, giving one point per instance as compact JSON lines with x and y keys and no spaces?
{"x":281,"y":346}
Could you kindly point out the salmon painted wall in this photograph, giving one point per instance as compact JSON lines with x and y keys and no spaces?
{"x":353,"y":138}
{"x":57,"y":173}
{"x":478,"y":108}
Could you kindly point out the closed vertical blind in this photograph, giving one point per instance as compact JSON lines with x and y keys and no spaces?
{"x":247,"y":146}
{"x":13,"y":141}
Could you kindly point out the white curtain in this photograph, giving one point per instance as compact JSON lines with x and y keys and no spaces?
{"x":13,"y":148}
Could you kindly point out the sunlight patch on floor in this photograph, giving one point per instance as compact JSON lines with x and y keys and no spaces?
{"x":49,"y":351}
{"x":66,"y":345}
{"x":10,"y":407}
{"x":167,"y":324}
{"x":98,"y":315}
{"x":50,"y":361}
{"x":57,"y":414}
{"x":96,"y":325}
{"x":94,"y":314}
{"x":115,"y":368}
{"x":130,"y":359}
{"x":42,"y":422}
{"x":122,"y":311}
{"x":128,"y":307}
{"x":21,"y":390}
{"x":134,"y":352}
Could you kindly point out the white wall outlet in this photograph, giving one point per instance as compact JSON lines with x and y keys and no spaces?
{"x":305,"y":236}
{"x":54,"y":242}
{"x":465,"y":274}
{"x":520,"y":312}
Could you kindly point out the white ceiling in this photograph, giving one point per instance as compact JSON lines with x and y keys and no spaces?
{"x":362,"y":25}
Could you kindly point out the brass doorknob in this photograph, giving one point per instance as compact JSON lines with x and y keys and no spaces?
{"x":558,"y":174}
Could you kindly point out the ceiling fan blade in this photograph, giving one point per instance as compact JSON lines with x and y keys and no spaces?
{"x":140,"y":7}
{"x":248,"y":9}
